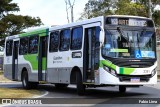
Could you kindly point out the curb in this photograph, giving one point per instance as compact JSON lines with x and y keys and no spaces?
{"x":3,"y":82}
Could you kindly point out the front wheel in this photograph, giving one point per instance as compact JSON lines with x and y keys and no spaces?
{"x":80,"y":85}
{"x":61,"y":85}
{"x":122,"y":89}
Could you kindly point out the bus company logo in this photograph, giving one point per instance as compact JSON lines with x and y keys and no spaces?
{"x":6,"y":101}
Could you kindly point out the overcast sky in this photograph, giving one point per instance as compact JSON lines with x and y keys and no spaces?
{"x":51,"y":12}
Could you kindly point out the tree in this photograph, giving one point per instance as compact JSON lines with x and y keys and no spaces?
{"x":121,"y":7}
{"x":70,"y":6}
{"x":96,"y":8}
{"x":126,"y":7}
{"x":11,"y":24}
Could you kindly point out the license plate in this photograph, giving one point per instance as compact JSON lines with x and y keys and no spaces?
{"x":135,"y":79}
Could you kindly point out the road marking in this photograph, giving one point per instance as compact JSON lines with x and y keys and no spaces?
{"x":46,"y":93}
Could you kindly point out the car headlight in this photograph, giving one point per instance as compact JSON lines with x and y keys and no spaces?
{"x":111,"y":71}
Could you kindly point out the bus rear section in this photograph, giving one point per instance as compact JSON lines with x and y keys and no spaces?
{"x":25,"y":57}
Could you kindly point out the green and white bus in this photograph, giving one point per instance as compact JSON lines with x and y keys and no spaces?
{"x":115,"y":50}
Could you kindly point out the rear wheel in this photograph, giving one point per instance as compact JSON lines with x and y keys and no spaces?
{"x":25,"y":83}
{"x":122,"y":89}
{"x":80,"y":85}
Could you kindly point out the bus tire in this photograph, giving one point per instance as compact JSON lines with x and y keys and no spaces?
{"x":61,"y":85}
{"x":25,"y":83}
{"x":80,"y":85}
{"x":122,"y":89}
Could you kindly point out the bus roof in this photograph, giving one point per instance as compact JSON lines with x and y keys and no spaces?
{"x":40,"y":31}
{"x":86,"y":21}
{"x":129,"y":16}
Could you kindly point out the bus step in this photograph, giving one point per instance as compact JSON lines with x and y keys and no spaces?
{"x":42,"y":82}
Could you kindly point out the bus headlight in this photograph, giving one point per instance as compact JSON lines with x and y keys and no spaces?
{"x":111,"y":71}
{"x":153,"y":72}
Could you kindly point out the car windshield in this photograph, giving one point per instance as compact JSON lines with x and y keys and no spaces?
{"x":121,"y":43}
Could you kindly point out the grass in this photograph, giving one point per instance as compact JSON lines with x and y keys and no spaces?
{"x":18,"y":93}
{"x":3,"y":79}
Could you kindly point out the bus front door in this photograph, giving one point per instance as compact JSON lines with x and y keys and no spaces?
{"x":91,"y":53}
{"x":15,"y":61}
{"x":42,"y":59}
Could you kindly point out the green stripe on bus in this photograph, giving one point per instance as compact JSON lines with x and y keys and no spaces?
{"x":119,"y":50}
{"x":33,"y":59}
{"x":108,"y":64}
{"x":42,"y":32}
{"x":126,"y":71}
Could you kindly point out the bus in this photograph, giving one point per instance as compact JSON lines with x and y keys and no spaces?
{"x":114,"y":50}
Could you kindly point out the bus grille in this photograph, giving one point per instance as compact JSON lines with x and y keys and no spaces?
{"x":142,"y":63}
{"x":127,"y":78}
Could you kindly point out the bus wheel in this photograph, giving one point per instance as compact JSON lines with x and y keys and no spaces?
{"x":122,"y":89}
{"x":25,"y":81}
{"x":80,"y":85}
{"x":61,"y":85}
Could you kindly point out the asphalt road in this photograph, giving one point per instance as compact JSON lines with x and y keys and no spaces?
{"x":102,"y":97}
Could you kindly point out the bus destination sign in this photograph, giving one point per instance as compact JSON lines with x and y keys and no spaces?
{"x":129,"y":22}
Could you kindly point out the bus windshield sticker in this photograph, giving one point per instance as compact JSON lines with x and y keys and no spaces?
{"x":107,"y":46}
{"x":149,"y":54}
{"x":119,"y":50}
{"x":138,"y":54}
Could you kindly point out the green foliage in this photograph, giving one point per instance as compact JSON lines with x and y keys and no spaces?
{"x":96,"y":8}
{"x":125,"y":7}
{"x":156,"y":18}
{"x":11,"y":24}
{"x":6,"y":6}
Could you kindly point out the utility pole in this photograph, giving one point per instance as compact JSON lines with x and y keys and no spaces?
{"x":71,"y":6}
{"x":150,"y":11}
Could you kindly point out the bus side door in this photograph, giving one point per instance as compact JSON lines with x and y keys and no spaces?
{"x":91,"y":52}
{"x":42,"y":58}
{"x":15,"y":60}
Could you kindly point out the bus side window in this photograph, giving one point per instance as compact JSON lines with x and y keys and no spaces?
{"x":9,"y":48}
{"x":23,"y":46}
{"x":64,"y":40}
{"x":54,"y":41}
{"x":33,"y":44}
{"x":76,"y":41}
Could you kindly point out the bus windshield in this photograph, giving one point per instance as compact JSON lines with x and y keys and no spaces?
{"x":129,"y":43}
